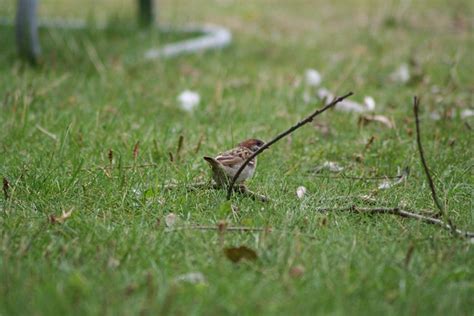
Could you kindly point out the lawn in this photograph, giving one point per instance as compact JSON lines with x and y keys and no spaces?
{"x":95,"y":130}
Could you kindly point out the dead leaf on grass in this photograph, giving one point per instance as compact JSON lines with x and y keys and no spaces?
{"x":236,"y":254}
{"x":366,"y":119}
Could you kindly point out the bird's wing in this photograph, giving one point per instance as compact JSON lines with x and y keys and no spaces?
{"x":234,"y":157}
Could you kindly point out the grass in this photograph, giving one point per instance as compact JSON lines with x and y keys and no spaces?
{"x":93,"y":93}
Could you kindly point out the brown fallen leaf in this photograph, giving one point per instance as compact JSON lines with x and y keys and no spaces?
{"x":60,"y":219}
{"x":366,"y":119}
{"x":235,"y":254}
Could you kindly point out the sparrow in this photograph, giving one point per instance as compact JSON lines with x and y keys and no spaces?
{"x":225,"y":165}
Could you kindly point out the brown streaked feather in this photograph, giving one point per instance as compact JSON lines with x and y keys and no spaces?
{"x":226,"y":164}
{"x":234,"y":157}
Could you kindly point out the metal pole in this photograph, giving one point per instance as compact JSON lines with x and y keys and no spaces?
{"x":146,"y":12}
{"x":27,"y":30}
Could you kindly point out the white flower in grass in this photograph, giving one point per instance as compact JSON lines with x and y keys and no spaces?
{"x":332,"y":166}
{"x":312,"y":77}
{"x":402,"y":74}
{"x":188,"y":100}
{"x":300,"y":192}
{"x":350,"y":106}
{"x":191,"y":277}
{"x":369,"y":103}
{"x":324,"y":93}
{"x":467,"y":113}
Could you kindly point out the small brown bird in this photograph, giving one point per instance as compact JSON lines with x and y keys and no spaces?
{"x":226,"y":164}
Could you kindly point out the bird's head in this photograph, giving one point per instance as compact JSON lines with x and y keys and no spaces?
{"x":252,"y":144}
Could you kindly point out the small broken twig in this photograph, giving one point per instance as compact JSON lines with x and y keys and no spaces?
{"x":400,"y":212}
{"x":442,"y":211}
{"x":344,"y":177}
{"x":280,"y":136}
{"x":253,"y":195}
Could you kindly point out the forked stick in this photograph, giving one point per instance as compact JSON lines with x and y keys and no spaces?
{"x":442,"y":211}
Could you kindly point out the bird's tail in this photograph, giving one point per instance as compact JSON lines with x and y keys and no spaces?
{"x":218,"y":173}
{"x":214,"y":163}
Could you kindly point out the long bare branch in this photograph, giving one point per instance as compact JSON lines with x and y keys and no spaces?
{"x":399,"y":212}
{"x":280,"y":136}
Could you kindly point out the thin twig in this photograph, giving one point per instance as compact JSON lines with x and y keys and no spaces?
{"x":344,"y":177}
{"x":442,"y":211}
{"x":217,"y":228}
{"x":280,"y":136}
{"x":400,"y":212}
{"x":189,"y":187}
{"x":238,"y":229}
{"x":253,"y":195}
